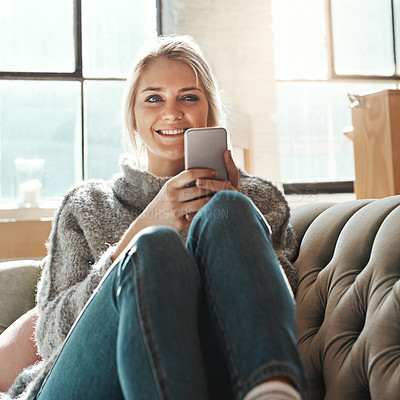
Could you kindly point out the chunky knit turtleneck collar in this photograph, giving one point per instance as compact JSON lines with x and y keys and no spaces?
{"x":134,"y":186}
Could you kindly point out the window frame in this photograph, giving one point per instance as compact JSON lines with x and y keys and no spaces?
{"x":77,"y":75}
{"x":339,"y":186}
{"x":331,"y":55}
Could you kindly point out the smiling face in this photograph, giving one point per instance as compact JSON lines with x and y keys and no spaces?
{"x":169,"y":100}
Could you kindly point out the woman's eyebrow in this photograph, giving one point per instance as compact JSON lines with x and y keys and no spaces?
{"x":152,"y":89}
{"x":189,"y":89}
{"x":160,"y":89}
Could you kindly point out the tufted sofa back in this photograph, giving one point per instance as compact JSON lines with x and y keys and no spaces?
{"x":348,"y":301}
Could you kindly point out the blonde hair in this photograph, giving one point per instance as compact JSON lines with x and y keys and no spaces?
{"x":174,"y":47}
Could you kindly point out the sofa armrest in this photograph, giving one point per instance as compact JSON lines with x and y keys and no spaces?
{"x":17,"y":289}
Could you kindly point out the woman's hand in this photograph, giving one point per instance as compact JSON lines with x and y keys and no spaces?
{"x":232,"y":183}
{"x":215,"y":185}
{"x":178,"y":198}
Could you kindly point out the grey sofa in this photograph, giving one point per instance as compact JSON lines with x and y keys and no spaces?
{"x":348,"y":301}
{"x":17,"y":289}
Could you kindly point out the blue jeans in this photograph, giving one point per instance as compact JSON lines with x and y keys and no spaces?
{"x":207,"y":321}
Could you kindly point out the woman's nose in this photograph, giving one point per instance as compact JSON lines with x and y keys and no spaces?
{"x":172,"y":112}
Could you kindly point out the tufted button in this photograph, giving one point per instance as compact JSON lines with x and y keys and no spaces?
{"x":348,"y":305}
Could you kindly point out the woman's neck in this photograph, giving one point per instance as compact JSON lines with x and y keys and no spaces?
{"x":166,"y":169}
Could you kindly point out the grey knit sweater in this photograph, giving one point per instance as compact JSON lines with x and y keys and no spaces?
{"x":91,"y":220}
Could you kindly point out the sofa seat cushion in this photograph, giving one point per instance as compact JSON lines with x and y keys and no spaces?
{"x":348,"y":300}
{"x":17,"y":289}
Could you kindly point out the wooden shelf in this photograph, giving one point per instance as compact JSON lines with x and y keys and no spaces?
{"x":24,"y":239}
{"x":24,"y":231}
{"x":376,"y":138}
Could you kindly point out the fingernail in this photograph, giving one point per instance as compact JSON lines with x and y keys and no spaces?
{"x":215,"y":172}
{"x":200,"y":182}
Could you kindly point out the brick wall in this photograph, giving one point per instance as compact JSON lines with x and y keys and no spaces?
{"x":236,"y":38}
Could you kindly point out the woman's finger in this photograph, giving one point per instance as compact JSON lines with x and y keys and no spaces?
{"x":184,"y":178}
{"x":214,"y":185}
{"x":192,"y":193}
{"x":191,"y":207}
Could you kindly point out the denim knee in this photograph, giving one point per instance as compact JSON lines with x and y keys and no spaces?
{"x":229,"y":196}
{"x":160,"y":256}
{"x":153,"y":238}
{"x":228,"y":207}
{"x":232,"y":202}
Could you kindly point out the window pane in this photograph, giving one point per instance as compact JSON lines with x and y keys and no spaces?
{"x":37,"y":36}
{"x":362,"y":37}
{"x":103,"y":127}
{"x":40,"y":119}
{"x":299,"y":39}
{"x":311,"y":117}
{"x":112,"y":31}
{"x":397,"y":30}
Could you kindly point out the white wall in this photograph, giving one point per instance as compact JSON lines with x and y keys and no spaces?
{"x":236,"y":38}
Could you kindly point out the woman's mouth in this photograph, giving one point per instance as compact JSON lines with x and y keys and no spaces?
{"x":171,"y":132}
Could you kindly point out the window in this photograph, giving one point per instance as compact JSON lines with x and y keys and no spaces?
{"x":325,"y":50}
{"x":62,"y":72}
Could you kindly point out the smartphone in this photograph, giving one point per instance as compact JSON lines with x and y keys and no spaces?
{"x":204,"y":148}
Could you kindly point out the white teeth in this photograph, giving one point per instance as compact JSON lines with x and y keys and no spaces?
{"x":172,"y":132}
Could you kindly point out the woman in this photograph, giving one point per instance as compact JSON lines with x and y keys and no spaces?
{"x":152,"y":318}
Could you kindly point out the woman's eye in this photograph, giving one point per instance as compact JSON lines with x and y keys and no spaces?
{"x":190,"y":97}
{"x":153,"y":99}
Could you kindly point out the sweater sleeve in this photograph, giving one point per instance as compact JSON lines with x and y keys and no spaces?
{"x":274,"y":207}
{"x":71,"y":272}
